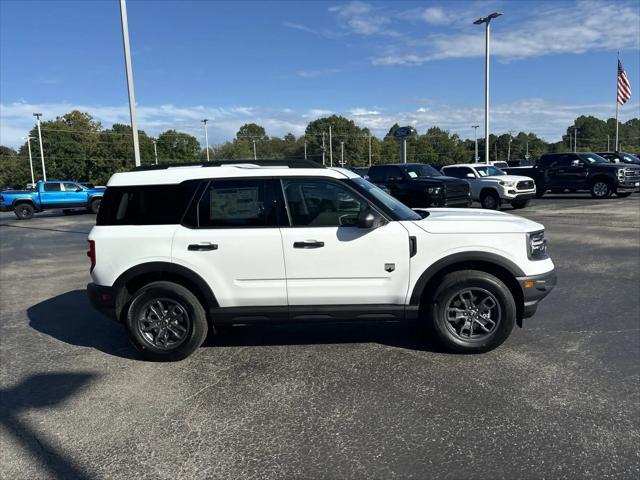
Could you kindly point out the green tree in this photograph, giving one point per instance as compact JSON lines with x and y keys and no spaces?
{"x":356,"y":149}
{"x":177,"y":146}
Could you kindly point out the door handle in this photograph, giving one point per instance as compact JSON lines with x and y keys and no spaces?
{"x":308,"y":244}
{"x":201,"y":247}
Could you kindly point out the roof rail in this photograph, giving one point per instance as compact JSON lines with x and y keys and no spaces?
{"x":290,"y":163}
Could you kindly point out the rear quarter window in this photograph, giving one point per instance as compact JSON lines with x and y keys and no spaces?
{"x":145,"y":204}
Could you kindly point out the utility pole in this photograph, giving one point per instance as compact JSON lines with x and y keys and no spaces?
{"x":323,"y":150}
{"x":206,"y":136}
{"x":305,"y":149}
{"x":44,"y":171}
{"x":526,"y":155}
{"x":342,"y":154}
{"x":475,"y":137}
{"x":255,"y":157}
{"x":509,"y":146}
{"x":575,"y":139}
{"x":369,"y":148}
{"x":486,"y":21}
{"x":132,"y":100}
{"x":608,"y":144}
{"x":155,"y":151}
{"x":330,"y":149}
{"x":28,"y":139}
{"x":496,"y":149}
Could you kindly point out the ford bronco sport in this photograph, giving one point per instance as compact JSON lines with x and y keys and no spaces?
{"x":179,"y":251}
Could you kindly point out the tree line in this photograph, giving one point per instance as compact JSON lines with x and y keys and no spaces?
{"x":77,"y":147}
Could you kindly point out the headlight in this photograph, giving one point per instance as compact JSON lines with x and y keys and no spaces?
{"x":621,"y":173}
{"x":508,"y":183}
{"x":433,"y":190}
{"x":536,"y":246}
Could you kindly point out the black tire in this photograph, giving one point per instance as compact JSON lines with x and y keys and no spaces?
{"x":601,"y":189}
{"x":94,"y":206}
{"x":161,"y":331}
{"x":623,"y":194}
{"x":540,"y":190}
{"x":24,"y":211}
{"x":517,"y":204}
{"x":490,"y":200}
{"x":443,"y":302}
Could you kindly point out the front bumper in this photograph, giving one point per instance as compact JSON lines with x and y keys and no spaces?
{"x":104,"y":299}
{"x":534,"y":289}
{"x":515,"y":195}
{"x":633,"y":186}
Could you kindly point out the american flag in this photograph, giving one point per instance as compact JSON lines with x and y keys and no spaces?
{"x":624,"y":87}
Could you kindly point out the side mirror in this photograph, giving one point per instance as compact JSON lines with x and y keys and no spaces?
{"x":79,"y":189}
{"x":470,"y":175}
{"x":575,"y":163}
{"x":368,"y":219}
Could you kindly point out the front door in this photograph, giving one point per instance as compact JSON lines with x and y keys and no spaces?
{"x":233,"y":242}
{"x":329,"y":260}
{"x":74,"y":195}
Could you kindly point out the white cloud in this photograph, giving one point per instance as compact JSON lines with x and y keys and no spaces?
{"x":362,"y":18}
{"x":299,"y":26}
{"x":547,"y":119}
{"x":316,"y":73}
{"x":579,"y":28}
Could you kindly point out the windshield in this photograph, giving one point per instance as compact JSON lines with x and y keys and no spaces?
{"x":489,"y":171}
{"x":592,"y":158}
{"x":421,"y":171}
{"x":628,"y":158}
{"x":388,"y":203}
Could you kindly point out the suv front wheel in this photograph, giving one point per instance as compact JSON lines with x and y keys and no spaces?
{"x":472,"y":311}
{"x":166,"y":322}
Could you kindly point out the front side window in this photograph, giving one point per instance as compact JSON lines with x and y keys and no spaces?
{"x":321,"y":203}
{"x":384,"y":201}
{"x":71,"y":187}
{"x":236,"y":203}
{"x":489,"y":171}
{"x":592,"y":158}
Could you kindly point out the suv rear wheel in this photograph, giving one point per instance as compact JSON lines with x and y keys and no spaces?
{"x":472,"y":311}
{"x":94,"y":206}
{"x":166,"y":322}
{"x":23,"y":211}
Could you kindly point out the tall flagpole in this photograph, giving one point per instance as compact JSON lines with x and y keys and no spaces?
{"x":617,"y":103}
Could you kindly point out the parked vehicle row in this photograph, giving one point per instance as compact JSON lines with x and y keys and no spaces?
{"x":215,"y":245}
{"x":54,"y":194}
{"x":573,"y":172}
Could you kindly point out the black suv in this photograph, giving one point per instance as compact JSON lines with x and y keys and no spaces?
{"x":419,"y":185}
{"x":570,"y":171}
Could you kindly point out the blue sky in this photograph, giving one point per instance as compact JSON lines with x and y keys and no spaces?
{"x":282,"y":64}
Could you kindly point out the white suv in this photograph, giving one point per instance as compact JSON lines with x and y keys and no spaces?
{"x":491,"y":186}
{"x":179,"y":251}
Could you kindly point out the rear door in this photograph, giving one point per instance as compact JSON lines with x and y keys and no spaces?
{"x":230,"y":237}
{"x":52,"y":194}
{"x":329,"y":260}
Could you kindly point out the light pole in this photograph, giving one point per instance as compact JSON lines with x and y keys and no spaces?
{"x":330,"y":149}
{"x":486,"y":21}
{"x":575,"y":139}
{"x":369,"y":149}
{"x":127,"y":63}
{"x":323,"y":149}
{"x":206,"y":136}
{"x":33,"y":180}
{"x":509,"y":146}
{"x":475,"y":138}
{"x":44,"y":171}
{"x":342,"y":154}
{"x":255,"y":156}
{"x":305,"y":149}
{"x":155,"y":151}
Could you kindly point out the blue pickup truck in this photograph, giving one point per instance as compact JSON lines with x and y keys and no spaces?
{"x":50,"y":195}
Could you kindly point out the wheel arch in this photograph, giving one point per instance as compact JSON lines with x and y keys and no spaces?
{"x":19,"y":201}
{"x":601,"y":177}
{"x":489,"y":191}
{"x":499,"y":266}
{"x":136,"y":277}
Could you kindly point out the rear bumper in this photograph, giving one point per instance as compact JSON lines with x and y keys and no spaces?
{"x":104,"y":299}
{"x":534,"y":289}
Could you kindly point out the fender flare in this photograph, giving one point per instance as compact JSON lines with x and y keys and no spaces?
{"x":24,"y":200}
{"x":462,"y":257}
{"x":170,"y":270}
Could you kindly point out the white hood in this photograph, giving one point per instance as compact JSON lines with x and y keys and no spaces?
{"x":513,"y":178}
{"x":470,"y":221}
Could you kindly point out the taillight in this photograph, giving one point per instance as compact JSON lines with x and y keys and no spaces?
{"x":1,"y":198}
{"x":92,"y":254}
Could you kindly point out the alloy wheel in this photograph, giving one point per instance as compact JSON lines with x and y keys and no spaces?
{"x":472,"y":314}
{"x":164,"y":323}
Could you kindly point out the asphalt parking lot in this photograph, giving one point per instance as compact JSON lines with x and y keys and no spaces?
{"x":560,"y":399}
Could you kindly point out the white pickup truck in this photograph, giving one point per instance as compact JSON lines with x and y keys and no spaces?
{"x":491,"y":186}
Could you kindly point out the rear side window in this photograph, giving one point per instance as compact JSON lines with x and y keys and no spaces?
{"x":52,"y":187}
{"x":145,"y":204}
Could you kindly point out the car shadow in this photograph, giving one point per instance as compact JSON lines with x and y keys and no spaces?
{"x":70,"y":318}
{"x":38,"y":392}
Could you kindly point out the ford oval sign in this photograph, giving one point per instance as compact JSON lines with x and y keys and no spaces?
{"x":403,"y":132}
